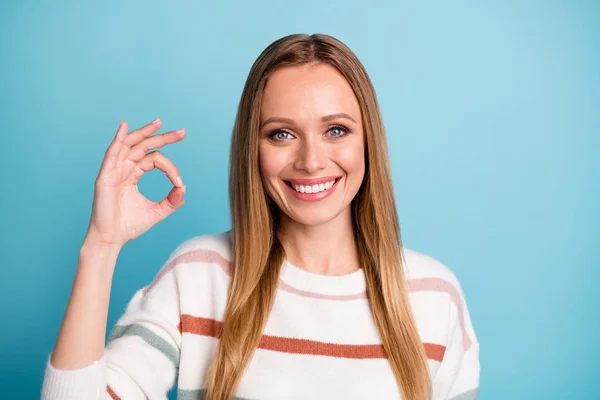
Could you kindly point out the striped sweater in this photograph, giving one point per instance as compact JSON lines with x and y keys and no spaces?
{"x":320,"y":341}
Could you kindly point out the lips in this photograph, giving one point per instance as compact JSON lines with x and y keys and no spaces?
{"x":314,"y":189}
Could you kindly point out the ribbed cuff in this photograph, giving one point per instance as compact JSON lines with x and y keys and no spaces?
{"x":71,"y":384}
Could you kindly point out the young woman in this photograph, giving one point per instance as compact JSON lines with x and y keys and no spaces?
{"x":310,"y":295}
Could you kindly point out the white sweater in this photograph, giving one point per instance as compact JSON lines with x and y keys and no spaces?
{"x":320,"y":341}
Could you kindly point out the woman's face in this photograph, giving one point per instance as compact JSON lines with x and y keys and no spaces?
{"x":311,"y":142}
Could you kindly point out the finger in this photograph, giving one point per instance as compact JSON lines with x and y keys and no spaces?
{"x":111,"y":156}
{"x":117,"y":142}
{"x":171,"y":203}
{"x":154,"y":142}
{"x":158,"y":160}
{"x":137,"y":136}
{"x":140,"y":134}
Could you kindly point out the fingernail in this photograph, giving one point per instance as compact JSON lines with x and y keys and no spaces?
{"x":155,"y":121}
{"x":179,"y":181}
{"x":180,"y":131}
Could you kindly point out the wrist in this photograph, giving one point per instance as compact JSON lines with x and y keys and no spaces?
{"x":98,"y":259}
{"x":96,"y":247}
{"x":94,"y":240}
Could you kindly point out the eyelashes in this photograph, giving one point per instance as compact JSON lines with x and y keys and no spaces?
{"x":282,"y":134}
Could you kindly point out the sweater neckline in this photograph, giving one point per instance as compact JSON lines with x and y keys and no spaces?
{"x":331,"y":285}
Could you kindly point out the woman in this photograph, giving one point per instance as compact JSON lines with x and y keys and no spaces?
{"x":310,"y":295}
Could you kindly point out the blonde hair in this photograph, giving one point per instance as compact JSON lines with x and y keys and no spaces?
{"x":257,"y":255}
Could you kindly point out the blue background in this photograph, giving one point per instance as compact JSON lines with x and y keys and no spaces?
{"x":491,"y":110}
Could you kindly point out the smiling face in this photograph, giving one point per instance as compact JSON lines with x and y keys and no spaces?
{"x":311,"y":143}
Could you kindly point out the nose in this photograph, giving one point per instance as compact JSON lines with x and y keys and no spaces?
{"x":311,"y":156}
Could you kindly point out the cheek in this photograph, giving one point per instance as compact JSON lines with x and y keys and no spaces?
{"x":351,"y":159}
{"x":272,"y":161}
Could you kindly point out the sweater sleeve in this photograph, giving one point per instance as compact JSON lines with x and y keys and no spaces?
{"x":141,"y":358}
{"x":458,"y":375}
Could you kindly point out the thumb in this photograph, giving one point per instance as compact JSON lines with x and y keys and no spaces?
{"x":172,"y":202}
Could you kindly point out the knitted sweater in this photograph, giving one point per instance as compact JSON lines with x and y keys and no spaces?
{"x":320,"y":340}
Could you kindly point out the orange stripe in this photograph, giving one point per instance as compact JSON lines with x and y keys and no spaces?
{"x":311,"y":347}
{"x":435,"y":351}
{"x":210,"y":327}
{"x":112,"y":393}
{"x":200,"y":326}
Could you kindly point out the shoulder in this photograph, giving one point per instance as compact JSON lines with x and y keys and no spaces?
{"x":202,"y":247}
{"x":428,"y":278}
{"x":209,"y":250}
{"x":419,"y":265}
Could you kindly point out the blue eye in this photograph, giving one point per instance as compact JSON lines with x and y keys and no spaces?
{"x":280,"y":135}
{"x":340,"y":129}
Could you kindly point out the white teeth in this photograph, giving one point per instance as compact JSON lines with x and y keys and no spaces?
{"x":314,"y":188}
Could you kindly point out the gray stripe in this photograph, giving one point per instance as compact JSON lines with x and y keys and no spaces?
{"x":197,"y":395}
{"x":160,"y":344}
{"x":470,"y":395}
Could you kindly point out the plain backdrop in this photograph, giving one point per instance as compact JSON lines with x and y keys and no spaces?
{"x":491,"y":111}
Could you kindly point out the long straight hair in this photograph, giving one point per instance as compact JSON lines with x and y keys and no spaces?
{"x":257,"y":255}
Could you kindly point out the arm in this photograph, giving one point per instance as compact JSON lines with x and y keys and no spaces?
{"x":80,"y":343}
{"x":142,"y":354}
{"x":81,"y":337}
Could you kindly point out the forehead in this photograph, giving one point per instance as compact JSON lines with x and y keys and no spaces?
{"x":308,"y":91}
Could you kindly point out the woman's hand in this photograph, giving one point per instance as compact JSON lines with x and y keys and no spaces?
{"x":120,"y":212}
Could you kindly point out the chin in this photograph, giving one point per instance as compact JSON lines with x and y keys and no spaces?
{"x":312,"y":217}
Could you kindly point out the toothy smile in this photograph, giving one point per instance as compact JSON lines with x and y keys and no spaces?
{"x":307,"y":186}
{"x":314,"y":188}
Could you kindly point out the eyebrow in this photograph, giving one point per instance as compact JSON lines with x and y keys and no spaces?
{"x":324,"y":119}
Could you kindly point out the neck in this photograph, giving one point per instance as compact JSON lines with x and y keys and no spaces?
{"x":326,"y":249}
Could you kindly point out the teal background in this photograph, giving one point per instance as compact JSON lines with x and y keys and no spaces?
{"x":491,"y":110}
